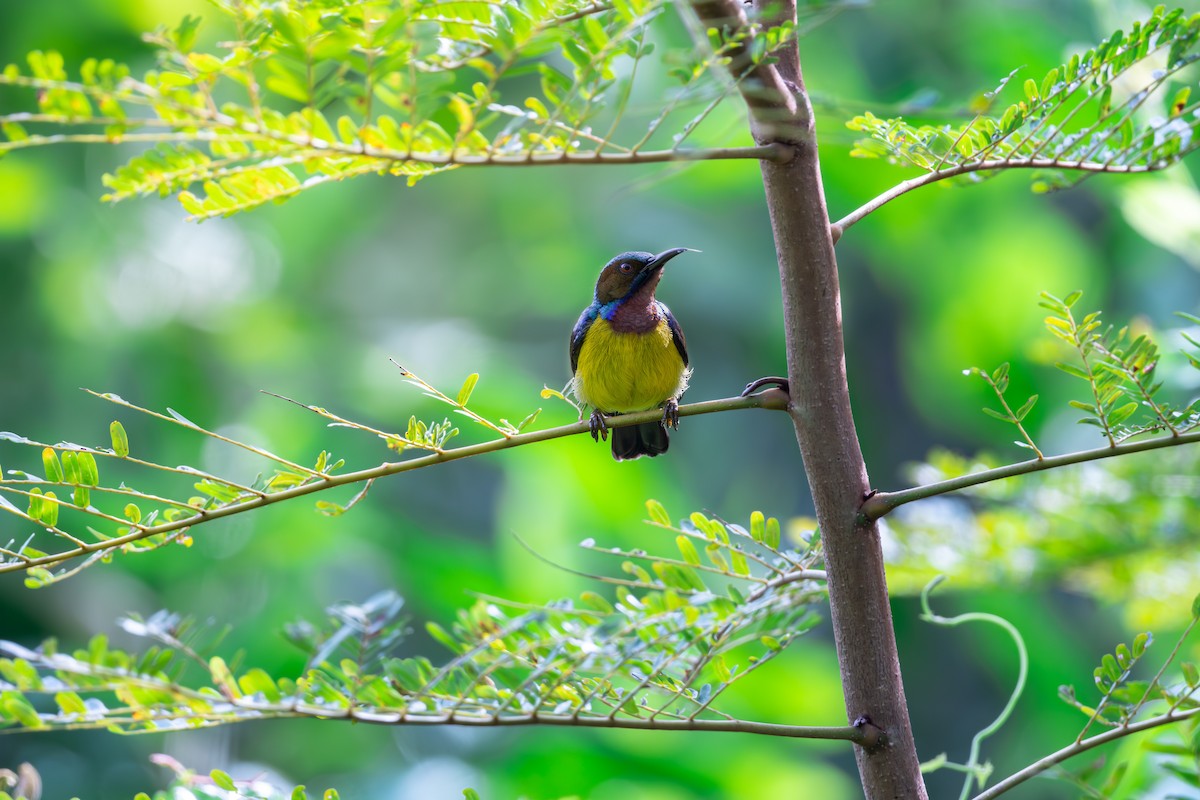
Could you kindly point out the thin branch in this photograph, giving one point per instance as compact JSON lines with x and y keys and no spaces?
{"x":855,"y":735}
{"x":907,"y":186}
{"x":768,"y":152}
{"x":772,"y":399}
{"x":1076,"y":748}
{"x":185,"y":423}
{"x":880,"y":503}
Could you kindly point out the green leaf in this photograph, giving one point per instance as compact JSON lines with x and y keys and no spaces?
{"x":37,"y":577}
{"x":120,"y":440}
{"x":1111,"y":670}
{"x":329,"y":509}
{"x":1049,"y":81}
{"x":441,"y":635}
{"x":50,"y":509}
{"x":1031,"y":90}
{"x":464,"y":394}
{"x":1114,"y":779}
{"x":1190,"y":674}
{"x":1026,"y":408}
{"x":54,"y":472}
{"x":35,"y":503}
{"x":773,"y":536}
{"x":257,"y":681}
{"x":525,"y":423}
{"x":997,"y":415}
{"x":688,"y":550}
{"x":758,"y":526}
{"x":70,"y":703}
{"x":658,"y":513}
{"x":222,"y":780}
{"x":1073,"y":370}
{"x":596,"y":602}
{"x":1196,"y":607}
{"x":1121,"y":414}
{"x":14,"y":706}
{"x":70,"y":466}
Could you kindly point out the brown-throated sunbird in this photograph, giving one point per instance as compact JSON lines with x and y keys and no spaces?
{"x":628,"y":354}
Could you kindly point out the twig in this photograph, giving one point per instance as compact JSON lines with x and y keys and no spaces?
{"x":1076,"y":748}
{"x":772,"y":399}
{"x":838,"y":228}
{"x":880,"y":503}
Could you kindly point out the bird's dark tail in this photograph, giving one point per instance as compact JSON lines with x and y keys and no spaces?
{"x":634,"y":441}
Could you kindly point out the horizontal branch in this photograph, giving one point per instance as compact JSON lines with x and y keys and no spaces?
{"x":767,"y":152}
{"x":880,"y":503}
{"x":839,"y":227}
{"x":846,"y":733}
{"x":1076,"y":748}
{"x":246,"y":710}
{"x":771,"y":399}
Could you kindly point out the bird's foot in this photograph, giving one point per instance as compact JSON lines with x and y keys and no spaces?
{"x":671,"y":414}
{"x":597,"y":426}
{"x":754,"y":386}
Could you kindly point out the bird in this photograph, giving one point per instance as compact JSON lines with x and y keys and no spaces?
{"x":628,"y":354}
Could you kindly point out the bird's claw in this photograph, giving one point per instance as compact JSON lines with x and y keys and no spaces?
{"x":754,"y":386}
{"x":597,"y":426}
{"x":671,"y":414}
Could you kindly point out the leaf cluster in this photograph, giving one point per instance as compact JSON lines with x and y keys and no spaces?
{"x":1074,"y":118}
{"x":1126,"y":700}
{"x":674,"y":638}
{"x":1119,"y":368}
{"x":306,"y":92}
{"x":73,"y":508}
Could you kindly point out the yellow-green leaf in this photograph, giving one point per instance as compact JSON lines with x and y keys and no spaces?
{"x":120,"y":440}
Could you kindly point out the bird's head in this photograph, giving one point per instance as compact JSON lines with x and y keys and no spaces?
{"x":630,"y":272}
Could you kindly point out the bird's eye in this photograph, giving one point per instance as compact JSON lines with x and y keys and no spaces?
{"x":627,"y":268}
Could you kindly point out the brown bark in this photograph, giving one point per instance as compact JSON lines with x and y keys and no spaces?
{"x":820,"y":410}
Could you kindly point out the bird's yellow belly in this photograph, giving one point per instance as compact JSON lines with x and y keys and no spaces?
{"x":623,"y":372}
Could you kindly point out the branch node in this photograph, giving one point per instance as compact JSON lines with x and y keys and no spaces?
{"x":874,"y":506}
{"x":873,"y":737}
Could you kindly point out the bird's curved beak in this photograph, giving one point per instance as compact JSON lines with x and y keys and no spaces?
{"x":662,"y":258}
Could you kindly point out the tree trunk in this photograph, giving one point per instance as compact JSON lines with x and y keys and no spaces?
{"x":837,"y":475}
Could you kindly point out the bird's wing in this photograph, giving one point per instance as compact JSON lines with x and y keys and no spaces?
{"x":676,"y":333}
{"x":581,"y":328}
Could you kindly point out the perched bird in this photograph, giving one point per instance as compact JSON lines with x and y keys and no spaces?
{"x":628,"y":354}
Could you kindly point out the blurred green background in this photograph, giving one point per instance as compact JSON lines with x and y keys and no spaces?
{"x":486,"y":270}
